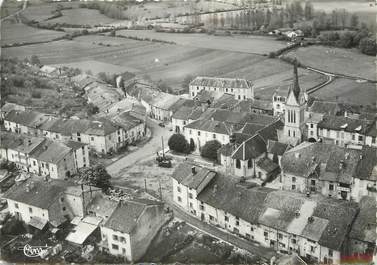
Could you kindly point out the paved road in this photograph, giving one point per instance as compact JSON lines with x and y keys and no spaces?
{"x":251,"y":247}
{"x":149,"y":149}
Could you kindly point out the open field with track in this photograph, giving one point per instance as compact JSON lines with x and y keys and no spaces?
{"x":335,"y":60}
{"x":345,"y":90}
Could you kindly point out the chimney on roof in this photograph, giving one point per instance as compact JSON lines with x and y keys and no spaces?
{"x":193,"y":170}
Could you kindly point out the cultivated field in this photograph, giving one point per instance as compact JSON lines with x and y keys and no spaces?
{"x":18,"y":33}
{"x":346,"y":90}
{"x":171,"y":63}
{"x":238,"y":43}
{"x":163,"y":9}
{"x":41,"y":12}
{"x":336,"y":60}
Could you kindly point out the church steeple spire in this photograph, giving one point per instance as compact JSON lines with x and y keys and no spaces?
{"x":295,"y":86}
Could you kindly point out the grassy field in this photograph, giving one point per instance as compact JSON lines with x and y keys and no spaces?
{"x":336,"y":60}
{"x":238,"y":43}
{"x":83,"y":16}
{"x":17,"y":33}
{"x":349,"y":91}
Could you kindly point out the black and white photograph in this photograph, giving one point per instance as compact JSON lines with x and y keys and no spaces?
{"x":188,"y":132}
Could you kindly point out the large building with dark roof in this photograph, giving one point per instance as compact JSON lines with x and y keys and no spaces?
{"x":242,"y":89}
{"x":314,"y":227}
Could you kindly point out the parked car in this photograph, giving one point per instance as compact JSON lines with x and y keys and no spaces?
{"x":161,"y":124}
{"x":165,"y":163}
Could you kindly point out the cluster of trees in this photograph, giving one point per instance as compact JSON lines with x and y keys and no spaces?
{"x":360,"y":39}
{"x":96,"y":176}
{"x":108,"y":9}
{"x":178,"y":143}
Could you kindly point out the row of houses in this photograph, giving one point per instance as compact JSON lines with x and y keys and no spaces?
{"x":320,"y":229}
{"x":58,"y":160}
{"x":126,"y":227}
{"x":330,"y":170}
{"x":102,"y":135}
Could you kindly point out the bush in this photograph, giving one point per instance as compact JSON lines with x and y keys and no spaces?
{"x":209,"y":150}
{"x":178,"y":143}
{"x":368,"y":46}
{"x":36,"y":94}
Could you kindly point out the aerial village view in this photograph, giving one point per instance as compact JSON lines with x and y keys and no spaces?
{"x":188,"y":132}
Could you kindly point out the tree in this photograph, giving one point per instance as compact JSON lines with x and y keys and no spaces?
{"x":96,"y":176}
{"x":343,"y":16}
{"x":92,"y":109}
{"x":186,"y":82}
{"x":354,"y":23}
{"x":178,"y":143}
{"x":308,"y":10}
{"x":35,"y":60}
{"x":209,"y":150}
{"x":368,"y":46}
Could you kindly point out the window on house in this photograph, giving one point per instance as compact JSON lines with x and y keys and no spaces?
{"x":179,"y":199}
{"x":16,"y":205}
{"x":92,"y":138}
{"x":312,"y":249}
{"x":191,"y":196}
{"x":201,"y":207}
{"x":198,"y":133}
{"x":30,"y":210}
{"x":214,"y":136}
{"x":116,"y":247}
{"x":211,"y":217}
{"x":122,"y":239}
{"x":238,"y":163}
{"x":311,"y":125}
{"x":34,"y":163}
{"x":191,"y":205}
{"x":312,"y":182}
{"x":237,"y":222}
{"x":280,"y":236}
{"x":179,"y":189}
{"x":265,"y":234}
{"x":252,"y":229}
{"x":190,"y":132}
{"x":63,"y":209}
{"x":360,"y":137}
{"x":293,"y":187}
{"x":330,"y":253}
{"x":294,"y":241}
{"x":293,"y":179}
{"x":123,"y":251}
{"x":115,"y":237}
{"x":331,"y":187}
{"x":226,"y":218}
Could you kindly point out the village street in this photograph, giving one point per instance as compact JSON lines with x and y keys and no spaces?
{"x":143,"y":153}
